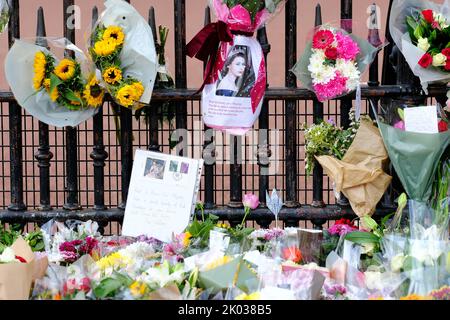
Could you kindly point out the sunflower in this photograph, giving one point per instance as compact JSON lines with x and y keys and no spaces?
{"x":93,"y":93}
{"x":46,"y":84}
{"x":39,"y":69}
{"x":115,"y":34}
{"x":54,"y":95}
{"x":112,"y":75}
{"x":138,"y":90}
{"x":105,"y":48}
{"x":65,"y":70}
{"x":126,"y":95}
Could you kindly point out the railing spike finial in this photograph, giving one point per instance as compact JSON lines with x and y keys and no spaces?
{"x":318,"y":20}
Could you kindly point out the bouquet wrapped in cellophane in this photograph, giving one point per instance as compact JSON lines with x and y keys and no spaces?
{"x":235,"y":77}
{"x":53,"y":81}
{"x":332,"y":63}
{"x":421,"y":30}
{"x":123,"y":50}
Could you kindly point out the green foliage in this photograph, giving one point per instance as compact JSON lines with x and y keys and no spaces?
{"x":8,"y":236}
{"x":36,"y":241}
{"x":326,"y":139}
{"x":200,"y":230}
{"x":108,"y":287}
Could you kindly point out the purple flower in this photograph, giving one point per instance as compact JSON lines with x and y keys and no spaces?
{"x":331,"y":121}
{"x":335,"y":290}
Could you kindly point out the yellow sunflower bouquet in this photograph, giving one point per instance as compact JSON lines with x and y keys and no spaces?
{"x":122,"y":48}
{"x":64,"y":82}
{"x":53,"y":87}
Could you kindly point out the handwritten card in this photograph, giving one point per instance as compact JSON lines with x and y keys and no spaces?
{"x":421,"y":119}
{"x":162,"y":195}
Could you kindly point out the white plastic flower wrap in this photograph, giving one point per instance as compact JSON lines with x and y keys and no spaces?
{"x":421,"y":31}
{"x":4,"y":15}
{"x":123,"y":50}
{"x":235,"y":77}
{"x":59,"y":91}
{"x":333,"y":62}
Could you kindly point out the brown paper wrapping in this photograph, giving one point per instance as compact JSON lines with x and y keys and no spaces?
{"x":360,"y":176}
{"x":16,"y":278}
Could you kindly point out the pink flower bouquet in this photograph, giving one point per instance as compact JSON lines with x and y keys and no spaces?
{"x":333,"y":62}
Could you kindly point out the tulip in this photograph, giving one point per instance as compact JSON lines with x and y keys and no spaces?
{"x":250,"y":202}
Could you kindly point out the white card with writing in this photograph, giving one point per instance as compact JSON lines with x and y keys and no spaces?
{"x":421,"y":119}
{"x":162,"y":195}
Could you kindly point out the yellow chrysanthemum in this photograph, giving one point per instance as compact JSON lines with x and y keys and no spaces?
{"x":138,"y":90}
{"x":253,"y":296}
{"x":138,"y":289}
{"x":217,"y":263}
{"x":39,"y":69}
{"x":187,"y":239}
{"x":114,"y":260}
{"x":415,"y":297}
{"x":105,"y":48}
{"x":112,"y":75}
{"x":114,"y":33}
{"x":93,"y":93}
{"x":126,"y":95}
{"x":46,"y":84}
{"x":65,"y":70}
{"x":54,"y":95}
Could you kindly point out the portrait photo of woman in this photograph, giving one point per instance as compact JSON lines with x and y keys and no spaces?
{"x":237,"y":77}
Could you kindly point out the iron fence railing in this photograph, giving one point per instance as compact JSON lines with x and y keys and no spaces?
{"x":84,"y":172}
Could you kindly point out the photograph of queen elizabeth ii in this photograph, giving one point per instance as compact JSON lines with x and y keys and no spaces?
{"x":237,"y":76}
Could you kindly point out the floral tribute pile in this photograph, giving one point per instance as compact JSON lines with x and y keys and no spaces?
{"x":212,"y":260}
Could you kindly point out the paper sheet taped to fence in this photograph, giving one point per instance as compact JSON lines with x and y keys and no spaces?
{"x":162,"y":195}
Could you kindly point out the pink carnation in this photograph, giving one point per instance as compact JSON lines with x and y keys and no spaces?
{"x":347,"y":48}
{"x":340,"y":229}
{"x":332,"y":89}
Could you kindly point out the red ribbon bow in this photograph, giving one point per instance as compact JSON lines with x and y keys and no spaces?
{"x":205,"y":44}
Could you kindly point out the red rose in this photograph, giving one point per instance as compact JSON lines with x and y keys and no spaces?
{"x":447,"y":66}
{"x":426,"y":60}
{"x":331,"y":53}
{"x":443,"y":126}
{"x":428,"y":15}
{"x":446,"y":52}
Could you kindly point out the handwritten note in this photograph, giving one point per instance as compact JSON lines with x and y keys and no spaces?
{"x":162,"y":195}
{"x":421,"y":119}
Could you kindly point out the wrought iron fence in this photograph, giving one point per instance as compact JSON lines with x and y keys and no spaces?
{"x":84,"y":172}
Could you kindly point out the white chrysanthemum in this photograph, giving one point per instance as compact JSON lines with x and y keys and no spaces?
{"x":349,"y":70}
{"x":324,"y":75}
{"x":316,"y":62}
{"x":138,"y":250}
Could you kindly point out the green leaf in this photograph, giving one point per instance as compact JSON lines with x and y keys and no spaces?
{"x":385,"y":219}
{"x":107,"y":287}
{"x":362,"y":237}
{"x":401,"y":113}
{"x":369,"y":223}
{"x":54,"y":82}
{"x":70,"y":95}
{"x":418,"y":33}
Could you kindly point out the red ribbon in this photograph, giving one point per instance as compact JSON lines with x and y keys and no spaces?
{"x":205,"y":44}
